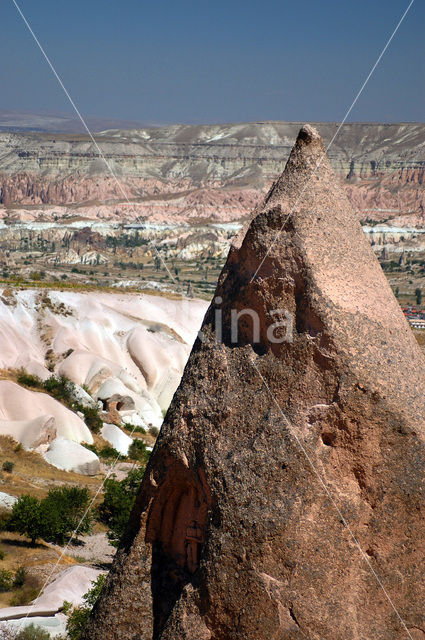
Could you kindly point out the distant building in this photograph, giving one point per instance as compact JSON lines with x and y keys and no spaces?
{"x":415,"y":317}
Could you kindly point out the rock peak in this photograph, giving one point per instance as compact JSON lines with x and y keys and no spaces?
{"x":232,"y":535}
{"x":307,"y":164}
{"x":309,"y":141}
{"x":308,"y":134}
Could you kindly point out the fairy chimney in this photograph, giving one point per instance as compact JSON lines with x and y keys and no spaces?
{"x":285,"y":497}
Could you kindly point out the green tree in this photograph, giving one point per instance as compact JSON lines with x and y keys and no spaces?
{"x":26,"y":518}
{"x":418,"y":295}
{"x":118,"y":501}
{"x":54,"y":518}
{"x":63,"y":510}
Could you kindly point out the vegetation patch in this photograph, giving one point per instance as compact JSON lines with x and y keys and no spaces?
{"x":138,"y":451}
{"x":118,"y":501}
{"x":61,"y":388}
{"x":52,"y":519}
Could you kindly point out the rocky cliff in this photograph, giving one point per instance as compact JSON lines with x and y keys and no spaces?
{"x":284,"y":497}
{"x":216,"y":171}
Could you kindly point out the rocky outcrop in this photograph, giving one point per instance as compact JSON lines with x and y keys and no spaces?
{"x":71,"y":456}
{"x":129,"y":350}
{"x":35,"y":418}
{"x":212,"y":171}
{"x":285,"y":495}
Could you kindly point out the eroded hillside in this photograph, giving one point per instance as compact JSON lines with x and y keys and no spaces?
{"x":213,"y":172}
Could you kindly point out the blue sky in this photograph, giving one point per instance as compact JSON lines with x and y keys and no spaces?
{"x":224,"y":61}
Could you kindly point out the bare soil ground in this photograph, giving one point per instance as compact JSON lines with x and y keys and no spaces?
{"x":32,"y":474}
{"x":39,"y":561}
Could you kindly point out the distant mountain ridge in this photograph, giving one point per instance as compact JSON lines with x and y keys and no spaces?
{"x":210,"y":171}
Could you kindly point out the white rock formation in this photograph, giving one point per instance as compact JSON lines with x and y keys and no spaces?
{"x":7,"y":501}
{"x":19,"y":406}
{"x":146,"y":406}
{"x":70,"y":585}
{"x":70,"y":456}
{"x":135,"y":345}
{"x":94,"y":258}
{"x":160,"y":361}
{"x":117,"y":438}
{"x":30,"y":433}
{"x":81,"y":396}
{"x":132,"y":419}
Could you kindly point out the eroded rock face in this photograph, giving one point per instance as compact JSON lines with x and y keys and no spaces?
{"x":271,"y":448}
{"x":216,"y":172}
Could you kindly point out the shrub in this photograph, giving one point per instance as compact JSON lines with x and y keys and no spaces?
{"x":33,"y":632}
{"x":91,"y":417}
{"x":35,"y":275}
{"x":24,"y":596}
{"x":8,"y":466}
{"x":109,"y":453}
{"x":28,"y":588}
{"x":60,"y":388}
{"x":92,"y":447}
{"x":132,"y":429}
{"x":2,"y":554}
{"x":92,"y":594}
{"x":66,"y":607}
{"x":154,"y":431}
{"x":6,"y":580}
{"x":138,"y":451}
{"x":20,"y":577}
{"x":118,"y":501}
{"x":28,"y":380}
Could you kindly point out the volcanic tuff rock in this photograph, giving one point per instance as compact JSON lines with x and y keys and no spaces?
{"x":233,"y":536}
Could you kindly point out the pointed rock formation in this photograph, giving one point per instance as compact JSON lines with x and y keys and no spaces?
{"x":279,"y":436}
